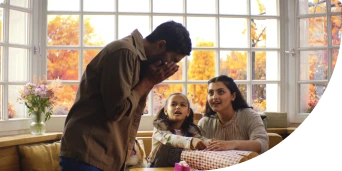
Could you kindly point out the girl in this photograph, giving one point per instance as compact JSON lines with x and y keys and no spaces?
{"x":174,"y":130}
{"x":230,"y":120}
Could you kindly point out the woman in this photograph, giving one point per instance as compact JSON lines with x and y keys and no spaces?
{"x":230,"y":121}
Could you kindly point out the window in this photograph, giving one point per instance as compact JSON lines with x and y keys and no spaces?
{"x":318,"y":28}
{"x":15,"y":54}
{"x":244,"y":44}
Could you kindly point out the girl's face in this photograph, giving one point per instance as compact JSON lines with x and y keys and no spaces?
{"x":219,"y":97}
{"x":177,"y":108}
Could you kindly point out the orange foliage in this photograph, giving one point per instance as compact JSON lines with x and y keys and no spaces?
{"x":201,"y":67}
{"x":64,"y":63}
{"x":319,"y":24}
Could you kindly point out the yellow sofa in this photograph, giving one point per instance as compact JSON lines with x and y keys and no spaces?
{"x":28,"y":152}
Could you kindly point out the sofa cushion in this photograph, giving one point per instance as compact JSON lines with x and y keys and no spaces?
{"x":40,"y":157}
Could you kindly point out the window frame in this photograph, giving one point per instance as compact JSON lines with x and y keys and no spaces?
{"x":18,"y":125}
{"x":39,"y":62}
{"x":295,"y":117}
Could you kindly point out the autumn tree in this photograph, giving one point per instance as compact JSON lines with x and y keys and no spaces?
{"x":318,"y":65}
{"x":64,"y":63}
{"x":201,"y":67}
{"x":234,"y":64}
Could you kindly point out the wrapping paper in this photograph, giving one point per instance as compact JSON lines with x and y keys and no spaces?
{"x":208,"y":160}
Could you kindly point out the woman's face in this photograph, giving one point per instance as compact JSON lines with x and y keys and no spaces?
{"x":219,"y":97}
{"x":177,"y":108}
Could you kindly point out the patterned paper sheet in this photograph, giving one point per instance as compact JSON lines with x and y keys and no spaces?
{"x":208,"y":160}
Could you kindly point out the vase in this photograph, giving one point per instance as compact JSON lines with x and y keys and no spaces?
{"x":38,"y":124}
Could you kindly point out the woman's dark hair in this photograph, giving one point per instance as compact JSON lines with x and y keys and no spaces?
{"x":238,"y":103}
{"x":188,"y":123}
{"x":176,"y":36}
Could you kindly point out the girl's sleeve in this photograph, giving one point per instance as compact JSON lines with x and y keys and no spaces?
{"x":205,"y":140}
{"x":167,"y":138}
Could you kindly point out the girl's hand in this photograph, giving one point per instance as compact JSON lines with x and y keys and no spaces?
{"x":219,"y":145}
{"x":197,"y":144}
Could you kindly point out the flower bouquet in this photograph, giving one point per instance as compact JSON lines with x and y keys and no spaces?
{"x":39,"y":98}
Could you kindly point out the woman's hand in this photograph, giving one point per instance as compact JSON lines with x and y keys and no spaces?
{"x":197,"y":144}
{"x":219,"y":145}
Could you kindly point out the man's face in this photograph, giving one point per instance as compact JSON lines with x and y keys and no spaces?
{"x":171,"y":57}
{"x":159,"y":52}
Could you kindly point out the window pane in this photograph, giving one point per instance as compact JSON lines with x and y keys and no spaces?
{"x":243,"y":90}
{"x":166,"y":6}
{"x":18,"y":27}
{"x":226,"y":7}
{"x":197,"y":94}
{"x":89,"y":55}
{"x":201,"y":6}
{"x":161,"y":92}
{"x":97,"y":32}
{"x":234,"y":64}
{"x":99,"y":5}
{"x":65,"y":99}
{"x":264,"y":33}
{"x":146,"y":111}
{"x":336,"y":6}
{"x":334,"y":57}
{"x":63,"y":30}
{"x":201,"y":64}
{"x":17,"y":64}
{"x":157,"y":20}
{"x":127,"y":24}
{"x":238,"y":33}
{"x":179,"y":74}
{"x":1,"y":64}
{"x":262,"y":7}
{"x":313,"y":65}
{"x":265,"y":97}
{"x":20,"y":3}
{"x":134,"y":5}
{"x":196,"y":29}
{"x":15,"y":110}
{"x":63,"y":5}
{"x":265,"y":65}
{"x":310,"y":94}
{"x":311,"y":6}
{"x":336,"y":30}
{"x":62,"y":64}
{"x":313,"y":32}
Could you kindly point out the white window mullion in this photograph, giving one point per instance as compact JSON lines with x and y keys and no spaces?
{"x":249,"y":57}
{"x":81,"y":45}
{"x":218,"y":52}
{"x":43,"y":38}
{"x":5,"y":61}
{"x":185,"y":65}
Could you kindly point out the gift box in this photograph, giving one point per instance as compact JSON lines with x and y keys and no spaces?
{"x":209,"y":160}
{"x":182,"y":166}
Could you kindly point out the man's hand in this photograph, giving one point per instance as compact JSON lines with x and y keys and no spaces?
{"x":152,"y":75}
{"x":197,"y":144}
{"x":158,"y":72}
{"x":219,"y":145}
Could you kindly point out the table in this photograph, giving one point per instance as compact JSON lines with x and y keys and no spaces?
{"x":153,"y":169}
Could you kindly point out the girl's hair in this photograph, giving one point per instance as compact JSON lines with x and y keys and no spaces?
{"x":238,"y":103}
{"x":188,"y":123}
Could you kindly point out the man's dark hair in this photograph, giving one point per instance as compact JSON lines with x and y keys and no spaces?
{"x":176,"y":36}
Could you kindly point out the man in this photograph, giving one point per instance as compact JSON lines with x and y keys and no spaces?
{"x":101,"y":126}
